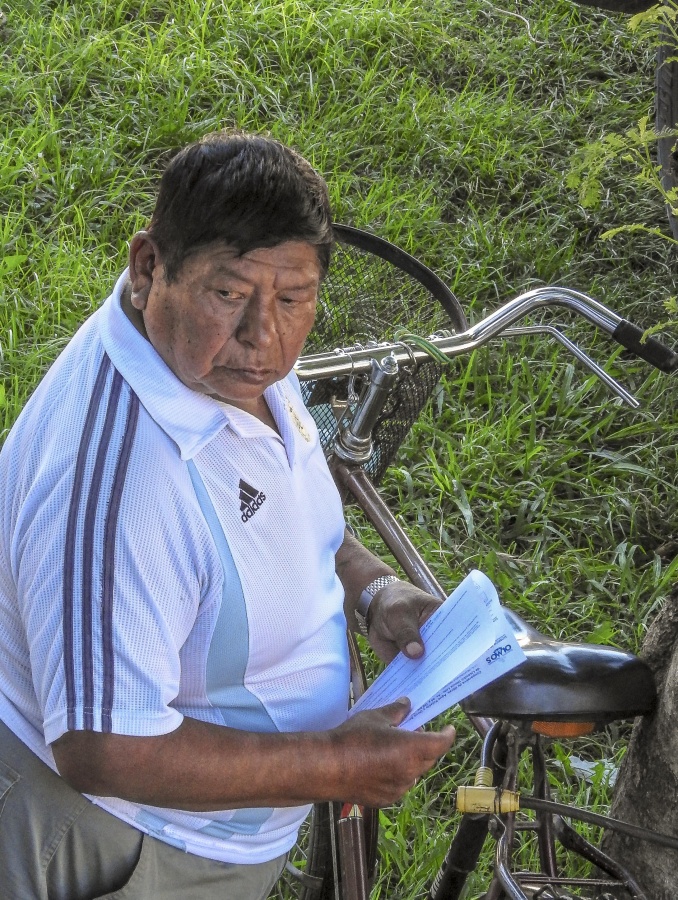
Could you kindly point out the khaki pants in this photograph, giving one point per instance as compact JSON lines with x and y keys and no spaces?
{"x":56,"y":845}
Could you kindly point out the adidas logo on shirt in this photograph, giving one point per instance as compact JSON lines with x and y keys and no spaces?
{"x":250,"y":500}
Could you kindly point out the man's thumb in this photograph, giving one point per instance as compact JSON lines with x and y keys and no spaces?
{"x":398,"y":710}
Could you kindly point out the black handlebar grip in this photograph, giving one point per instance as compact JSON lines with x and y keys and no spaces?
{"x":651,"y":350}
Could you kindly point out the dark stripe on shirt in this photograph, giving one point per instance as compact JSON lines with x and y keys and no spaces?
{"x":109,"y":563}
{"x":69,"y":551}
{"x":88,"y":552}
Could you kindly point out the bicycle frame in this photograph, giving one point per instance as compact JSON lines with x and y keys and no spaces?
{"x":355,"y":484}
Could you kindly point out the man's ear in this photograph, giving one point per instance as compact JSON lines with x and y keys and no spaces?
{"x":145,"y":265}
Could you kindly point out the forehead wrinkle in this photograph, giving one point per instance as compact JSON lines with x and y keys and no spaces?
{"x":222,"y":267}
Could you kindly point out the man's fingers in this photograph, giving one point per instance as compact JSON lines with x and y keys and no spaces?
{"x":413,"y":649}
{"x":385,"y":761}
{"x":397,"y":711}
{"x":448,"y":734}
{"x":399,"y":610}
{"x":408,"y":639}
{"x":404,"y":626}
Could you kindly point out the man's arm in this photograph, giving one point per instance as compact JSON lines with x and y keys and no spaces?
{"x":396,"y":612}
{"x":201,"y":766}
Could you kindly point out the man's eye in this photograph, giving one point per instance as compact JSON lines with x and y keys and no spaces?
{"x":230,"y":295}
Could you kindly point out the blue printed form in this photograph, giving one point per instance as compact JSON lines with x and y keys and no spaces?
{"x":468,"y":643}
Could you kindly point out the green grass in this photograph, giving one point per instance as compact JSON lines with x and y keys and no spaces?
{"x":449,"y":129}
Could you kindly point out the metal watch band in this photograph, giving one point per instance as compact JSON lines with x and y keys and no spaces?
{"x":363,"y":604}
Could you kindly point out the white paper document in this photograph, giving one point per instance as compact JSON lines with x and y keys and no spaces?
{"x":468,"y":644}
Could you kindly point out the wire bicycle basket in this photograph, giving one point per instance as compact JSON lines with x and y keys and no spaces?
{"x":372,"y":291}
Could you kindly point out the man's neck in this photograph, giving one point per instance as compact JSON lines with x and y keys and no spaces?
{"x":133,"y":314}
{"x":257,"y":407}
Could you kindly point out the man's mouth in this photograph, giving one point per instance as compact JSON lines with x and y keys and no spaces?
{"x":248,"y":374}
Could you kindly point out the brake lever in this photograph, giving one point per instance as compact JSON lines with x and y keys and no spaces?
{"x":583,"y":357}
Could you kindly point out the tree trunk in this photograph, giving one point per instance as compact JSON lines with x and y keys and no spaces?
{"x":646,"y":793}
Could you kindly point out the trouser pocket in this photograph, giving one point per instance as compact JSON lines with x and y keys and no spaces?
{"x":8,"y":778}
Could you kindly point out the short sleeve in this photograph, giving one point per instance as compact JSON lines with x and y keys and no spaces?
{"x":112,"y":564}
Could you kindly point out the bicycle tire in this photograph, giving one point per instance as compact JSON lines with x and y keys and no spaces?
{"x":372,"y":290}
{"x":309,"y":872}
{"x":319,"y":862}
{"x":666,"y":117}
{"x":319,"y":857}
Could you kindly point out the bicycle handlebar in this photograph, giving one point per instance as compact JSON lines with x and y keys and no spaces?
{"x":358,"y":360}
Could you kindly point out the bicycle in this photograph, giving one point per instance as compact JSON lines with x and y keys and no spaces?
{"x":365,"y":398}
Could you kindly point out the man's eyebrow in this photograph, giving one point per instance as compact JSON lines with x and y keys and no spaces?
{"x":305,"y":286}
{"x":223,"y":268}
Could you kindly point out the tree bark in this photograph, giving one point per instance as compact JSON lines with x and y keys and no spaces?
{"x":646,"y":793}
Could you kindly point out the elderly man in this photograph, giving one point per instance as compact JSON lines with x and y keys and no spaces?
{"x":175,"y":572}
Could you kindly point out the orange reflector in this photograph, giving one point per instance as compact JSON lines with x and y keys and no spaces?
{"x":563,"y":729}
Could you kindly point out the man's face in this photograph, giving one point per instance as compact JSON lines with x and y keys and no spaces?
{"x":229,"y":325}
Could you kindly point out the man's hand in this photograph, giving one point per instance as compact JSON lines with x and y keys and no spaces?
{"x":395,"y":616}
{"x":383,"y":762}
{"x":396,"y":612}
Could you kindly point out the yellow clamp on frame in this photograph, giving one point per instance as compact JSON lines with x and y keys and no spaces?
{"x":483,"y":798}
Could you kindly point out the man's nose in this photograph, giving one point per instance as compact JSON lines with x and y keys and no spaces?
{"x":258,"y":323}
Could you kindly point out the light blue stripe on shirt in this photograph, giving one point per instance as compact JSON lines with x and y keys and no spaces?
{"x":227,"y":661}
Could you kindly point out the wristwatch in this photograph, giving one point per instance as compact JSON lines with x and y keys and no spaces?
{"x":365,"y":599}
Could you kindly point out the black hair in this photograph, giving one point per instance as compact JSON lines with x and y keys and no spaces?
{"x":244,"y":189}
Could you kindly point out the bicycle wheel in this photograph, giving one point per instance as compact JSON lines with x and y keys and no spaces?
{"x":666,"y":96}
{"x":320,"y":866}
{"x":309,"y":872}
{"x":539,"y":892}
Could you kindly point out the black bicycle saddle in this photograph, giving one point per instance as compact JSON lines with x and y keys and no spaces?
{"x":566,"y":682}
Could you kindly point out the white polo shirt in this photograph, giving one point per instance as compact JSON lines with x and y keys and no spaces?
{"x":163,"y":555}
